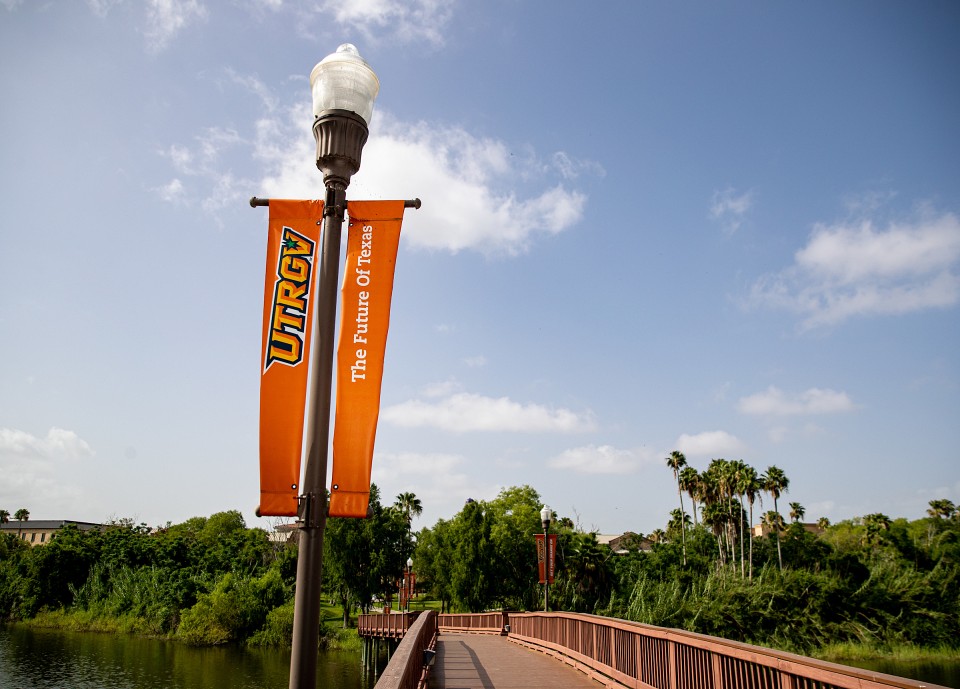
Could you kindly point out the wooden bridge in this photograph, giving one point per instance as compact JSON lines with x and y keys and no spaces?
{"x":503,"y":650}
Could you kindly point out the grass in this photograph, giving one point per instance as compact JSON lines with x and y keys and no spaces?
{"x":905,"y":653}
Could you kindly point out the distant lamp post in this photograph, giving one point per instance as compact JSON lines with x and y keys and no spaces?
{"x":546,"y":516}
{"x":409,"y":579}
{"x":344,"y":88}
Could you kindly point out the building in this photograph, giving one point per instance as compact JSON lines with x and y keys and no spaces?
{"x":621,"y":544}
{"x":762,"y":529}
{"x":41,"y":531}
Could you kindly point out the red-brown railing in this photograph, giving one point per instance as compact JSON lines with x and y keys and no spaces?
{"x":479,"y":623}
{"x":618,"y":652}
{"x":646,"y":657}
{"x":391,"y":626}
{"x":408,"y":668}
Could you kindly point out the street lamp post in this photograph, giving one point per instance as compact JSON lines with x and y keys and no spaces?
{"x":409,"y":581}
{"x":546,"y":516}
{"x":344,"y":88}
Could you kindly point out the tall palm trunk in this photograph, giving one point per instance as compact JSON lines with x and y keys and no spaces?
{"x":776,"y":532}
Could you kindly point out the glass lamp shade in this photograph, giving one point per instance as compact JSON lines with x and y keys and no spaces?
{"x":546,"y":515}
{"x":344,"y":81}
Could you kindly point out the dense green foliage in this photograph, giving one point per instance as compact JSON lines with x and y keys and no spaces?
{"x":207,"y":581}
{"x":872,"y":581}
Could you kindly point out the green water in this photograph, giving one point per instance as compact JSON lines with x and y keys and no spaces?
{"x":48,"y":659}
{"x":944,"y":673}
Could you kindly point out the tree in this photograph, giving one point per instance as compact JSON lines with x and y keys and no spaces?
{"x":823,"y":523}
{"x":21,"y":515}
{"x":941,"y":509}
{"x":875,"y":524}
{"x":797,"y":512}
{"x":410,"y":505}
{"x":775,"y":482}
{"x":4,"y":516}
{"x":690,"y":482}
{"x":752,"y":488}
{"x":676,"y":461}
{"x":585,"y":573}
{"x":473,"y":577}
{"x":774,"y":521}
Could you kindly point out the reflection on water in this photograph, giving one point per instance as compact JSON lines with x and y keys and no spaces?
{"x":48,"y":659}
{"x":944,"y":673}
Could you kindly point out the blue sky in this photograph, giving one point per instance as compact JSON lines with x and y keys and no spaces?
{"x":731,"y":229}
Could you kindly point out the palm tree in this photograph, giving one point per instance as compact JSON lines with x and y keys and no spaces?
{"x":823,"y":523}
{"x":941,"y":509}
{"x":677,"y":461}
{"x":410,"y":505}
{"x":752,"y":488}
{"x":690,"y":482}
{"x":797,"y":512}
{"x":4,"y":516}
{"x":775,"y":482}
{"x":875,"y":523}
{"x":774,"y":520}
{"x":740,"y":472}
{"x":679,"y":521}
{"x":21,"y":515}
{"x":658,"y":536}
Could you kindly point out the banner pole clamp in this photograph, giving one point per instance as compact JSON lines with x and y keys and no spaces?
{"x":256,"y":202}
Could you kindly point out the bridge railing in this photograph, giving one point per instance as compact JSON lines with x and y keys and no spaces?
{"x":646,"y":657}
{"x":408,"y":666}
{"x":481,"y":623}
{"x":393,"y":626}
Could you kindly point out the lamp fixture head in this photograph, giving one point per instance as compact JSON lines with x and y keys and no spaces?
{"x":546,"y":516}
{"x":344,"y":81}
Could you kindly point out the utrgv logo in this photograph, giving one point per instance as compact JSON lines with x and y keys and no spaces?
{"x":291,"y":299}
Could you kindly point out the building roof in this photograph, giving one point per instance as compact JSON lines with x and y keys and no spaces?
{"x":46,"y":525}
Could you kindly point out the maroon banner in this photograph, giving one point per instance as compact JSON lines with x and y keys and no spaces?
{"x":541,"y":554}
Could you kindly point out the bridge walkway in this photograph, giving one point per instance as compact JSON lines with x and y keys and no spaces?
{"x":484,"y":661}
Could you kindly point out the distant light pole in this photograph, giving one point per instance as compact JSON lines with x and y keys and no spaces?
{"x":344,"y":88}
{"x":409,"y":581}
{"x":546,"y":516}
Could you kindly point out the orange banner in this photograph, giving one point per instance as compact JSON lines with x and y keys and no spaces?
{"x":543,"y":554}
{"x":288,"y":295}
{"x":372,"y":242}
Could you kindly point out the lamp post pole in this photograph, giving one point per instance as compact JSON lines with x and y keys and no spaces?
{"x":546,"y":515}
{"x":344,"y":88}
{"x":409,"y":581}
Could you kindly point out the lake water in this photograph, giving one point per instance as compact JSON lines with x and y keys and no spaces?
{"x":50,"y":659}
{"x":943,"y":673}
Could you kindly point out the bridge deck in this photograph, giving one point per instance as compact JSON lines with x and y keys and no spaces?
{"x":481,"y":661}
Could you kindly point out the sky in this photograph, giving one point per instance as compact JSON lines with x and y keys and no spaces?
{"x":730,"y":229}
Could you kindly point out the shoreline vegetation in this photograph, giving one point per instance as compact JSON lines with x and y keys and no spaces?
{"x":871,"y":588}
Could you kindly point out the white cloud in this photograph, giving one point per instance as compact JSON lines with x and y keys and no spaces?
{"x":463,"y":412}
{"x":708,"y":444}
{"x":459,"y":177}
{"x":32,"y":466}
{"x":469,"y":200}
{"x":774,"y":402}
{"x":729,"y":208}
{"x":171,"y":192}
{"x":602,"y":459}
{"x":856,"y":269}
{"x":57,"y":444}
{"x":407,"y":20}
{"x":476,"y":361}
{"x":439,"y":480}
{"x":166,"y":18}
